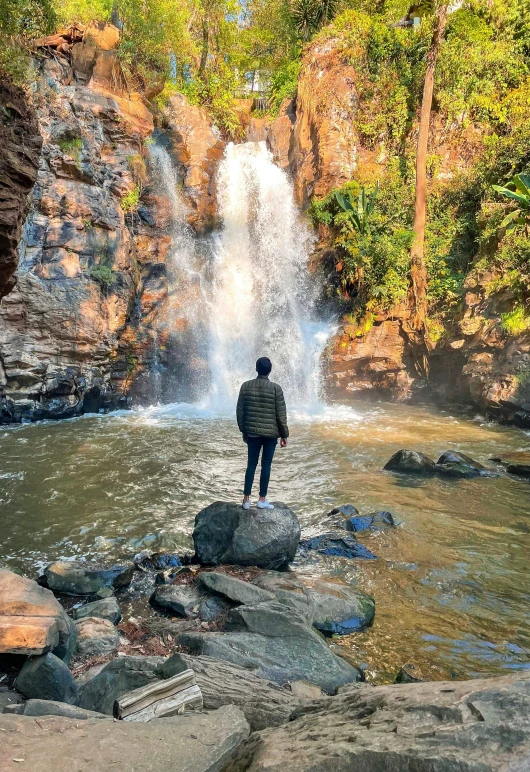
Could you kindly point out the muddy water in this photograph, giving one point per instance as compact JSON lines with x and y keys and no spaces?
{"x":452,"y":585}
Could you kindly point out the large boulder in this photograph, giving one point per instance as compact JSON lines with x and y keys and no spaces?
{"x":264,"y":703}
{"x":106,"y":608}
{"x":226,"y":533}
{"x":31,"y":620}
{"x":410,"y":462}
{"x":96,"y":636}
{"x":47,"y":678}
{"x":118,"y":677}
{"x":277,"y":644}
{"x":76,"y":578}
{"x":469,"y":726}
{"x":195,"y":742}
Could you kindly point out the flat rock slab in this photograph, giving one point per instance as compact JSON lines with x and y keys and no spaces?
{"x":338,"y":545}
{"x":31,"y":619}
{"x":201,"y":742}
{"x":481,"y":725}
{"x":77,"y":578}
{"x":234,"y":589}
{"x":54,"y":708}
{"x":226,"y":533}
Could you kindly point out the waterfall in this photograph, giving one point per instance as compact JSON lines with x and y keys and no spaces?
{"x":248,"y":294}
{"x":261,"y":299}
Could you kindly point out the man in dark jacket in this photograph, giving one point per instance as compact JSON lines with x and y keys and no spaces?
{"x":262,"y":418}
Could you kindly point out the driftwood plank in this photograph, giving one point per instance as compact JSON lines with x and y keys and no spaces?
{"x":164,"y":698}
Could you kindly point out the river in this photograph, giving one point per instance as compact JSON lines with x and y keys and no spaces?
{"x":451,"y":585}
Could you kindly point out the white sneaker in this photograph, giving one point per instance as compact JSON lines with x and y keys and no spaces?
{"x":246,"y":504}
{"x":264,"y":504}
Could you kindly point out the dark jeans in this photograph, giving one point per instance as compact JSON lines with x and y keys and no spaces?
{"x":255,"y":444}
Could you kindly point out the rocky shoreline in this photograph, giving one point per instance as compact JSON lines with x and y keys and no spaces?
{"x":253,"y":634}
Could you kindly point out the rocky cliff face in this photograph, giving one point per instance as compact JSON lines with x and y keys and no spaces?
{"x":78,"y":275}
{"x":21,"y":144}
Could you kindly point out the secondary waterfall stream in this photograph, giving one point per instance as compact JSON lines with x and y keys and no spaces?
{"x":252,"y":296}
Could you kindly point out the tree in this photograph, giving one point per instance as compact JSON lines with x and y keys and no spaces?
{"x":418,"y":269}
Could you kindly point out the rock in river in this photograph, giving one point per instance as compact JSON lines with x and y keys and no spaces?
{"x":76,"y":578}
{"x":337,"y":544}
{"x":47,"y":678}
{"x":410,"y":462}
{"x":226,"y":533}
{"x":373,"y":520}
{"x":453,"y":464}
{"x":234,"y":589}
{"x":277,"y":644}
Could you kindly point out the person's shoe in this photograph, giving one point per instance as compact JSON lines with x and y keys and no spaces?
{"x":246,"y":504}
{"x":264,"y":504}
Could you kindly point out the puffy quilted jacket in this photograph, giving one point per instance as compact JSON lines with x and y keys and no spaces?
{"x":261,"y":409}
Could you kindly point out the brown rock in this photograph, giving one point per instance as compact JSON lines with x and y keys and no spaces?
{"x":31,"y":620}
{"x":19,"y":162}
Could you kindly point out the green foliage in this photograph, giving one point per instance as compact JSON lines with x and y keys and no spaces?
{"x":21,"y":20}
{"x":518,"y":190}
{"x":359,"y":213}
{"x":83,"y":11}
{"x":284,"y":83}
{"x":104,"y":275}
{"x":515,"y":322}
{"x":129,"y":201}
{"x":216,"y":94}
{"x":71,"y":146}
{"x":311,"y":15}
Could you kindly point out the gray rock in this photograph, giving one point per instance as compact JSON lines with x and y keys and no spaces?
{"x":194,"y":742}
{"x":76,"y":578}
{"x":453,"y":464}
{"x":306,"y":691}
{"x":47,"y":678}
{"x":182,"y":599}
{"x":9,"y":697}
{"x":264,"y":703}
{"x":234,"y":589}
{"x":214,"y":609}
{"x":54,"y":708}
{"x":276,"y":644}
{"x":331,"y":606}
{"x":410,"y":462}
{"x":172,"y":666}
{"x":118,"y":677}
{"x":226,"y":533}
{"x":96,"y":636}
{"x":106,"y":608}
{"x":408,"y":674}
{"x":469,"y":726}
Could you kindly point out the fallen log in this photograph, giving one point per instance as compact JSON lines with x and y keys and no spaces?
{"x":168,"y":697}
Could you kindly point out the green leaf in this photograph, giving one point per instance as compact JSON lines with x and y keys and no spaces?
{"x":343,"y":202}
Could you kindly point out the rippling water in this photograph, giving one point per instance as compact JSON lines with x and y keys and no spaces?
{"x":452,"y":586}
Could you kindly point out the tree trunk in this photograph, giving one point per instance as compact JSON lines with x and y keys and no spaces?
{"x":205,"y":48}
{"x":418,"y":270}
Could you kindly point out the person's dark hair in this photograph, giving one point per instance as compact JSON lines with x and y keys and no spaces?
{"x":263,"y":366}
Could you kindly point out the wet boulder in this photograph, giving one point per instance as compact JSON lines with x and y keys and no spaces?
{"x":47,"y":678}
{"x":338,"y":545}
{"x":453,"y":464}
{"x":410,"y":462}
{"x":96,"y":636}
{"x":226,"y":533}
{"x":159,"y":561}
{"x":517,"y":463}
{"x":106,"y":608}
{"x":77,"y":578}
{"x":366,"y":522}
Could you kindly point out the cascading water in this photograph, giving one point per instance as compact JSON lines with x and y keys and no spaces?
{"x":261,"y":299}
{"x":252,"y":295}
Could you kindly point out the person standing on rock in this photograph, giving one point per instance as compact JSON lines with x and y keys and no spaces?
{"x":262,"y":419}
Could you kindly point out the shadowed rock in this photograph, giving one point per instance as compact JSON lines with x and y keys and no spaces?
{"x":47,"y":678}
{"x":338,"y":545}
{"x":453,"y":464}
{"x":75,"y":578}
{"x":410,"y":462}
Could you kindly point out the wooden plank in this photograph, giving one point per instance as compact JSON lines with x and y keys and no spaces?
{"x":167,"y":697}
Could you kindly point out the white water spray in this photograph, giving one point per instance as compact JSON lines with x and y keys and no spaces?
{"x":253,"y":297}
{"x":262,"y":300}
